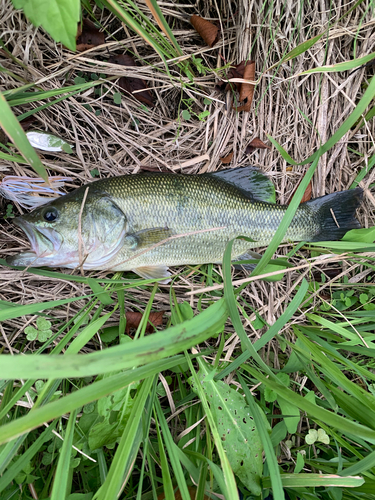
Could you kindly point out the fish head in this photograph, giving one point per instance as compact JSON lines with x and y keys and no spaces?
{"x":69,"y":233}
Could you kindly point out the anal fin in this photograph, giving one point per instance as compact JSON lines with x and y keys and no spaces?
{"x":154,"y":272}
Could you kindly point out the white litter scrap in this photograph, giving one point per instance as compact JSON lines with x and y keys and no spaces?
{"x":31,"y":192}
{"x":47,"y":142}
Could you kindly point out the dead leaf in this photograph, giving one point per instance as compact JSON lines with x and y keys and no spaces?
{"x":306,"y":195}
{"x":130,"y":84}
{"x":3,"y":137}
{"x":330,"y":273}
{"x":227,"y":159}
{"x":247,"y":89}
{"x":134,"y":318}
{"x":178,"y":496}
{"x":88,"y":36}
{"x":27,"y":122}
{"x":234,"y":72}
{"x":256,"y":143}
{"x":207,"y":30}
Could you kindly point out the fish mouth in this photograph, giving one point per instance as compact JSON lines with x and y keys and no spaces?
{"x":45,"y":242}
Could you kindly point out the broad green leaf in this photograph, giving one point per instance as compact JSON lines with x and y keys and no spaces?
{"x":362,"y":235}
{"x":58,"y":17}
{"x":121,"y":402}
{"x":237,"y":431}
{"x":290,"y":414}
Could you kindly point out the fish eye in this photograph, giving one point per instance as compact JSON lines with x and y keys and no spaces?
{"x":50,"y":214}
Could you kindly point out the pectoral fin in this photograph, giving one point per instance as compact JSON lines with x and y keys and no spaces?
{"x":148,"y":237}
{"x":153,"y":272}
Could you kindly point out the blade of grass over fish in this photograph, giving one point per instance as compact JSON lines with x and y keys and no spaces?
{"x":287,"y":219}
{"x":112,"y":486}
{"x":355,"y":115}
{"x":231,"y":492}
{"x":151,"y":348}
{"x":13,"y":129}
{"x":60,"y":483}
{"x":315,"y":411}
{"x":25,"y":458}
{"x":83,"y":396}
{"x":273,"y":466}
{"x":230,"y":299}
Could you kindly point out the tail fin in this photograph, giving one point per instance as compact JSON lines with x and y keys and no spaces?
{"x":336,"y":213}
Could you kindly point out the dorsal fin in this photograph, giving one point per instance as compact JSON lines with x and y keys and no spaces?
{"x":251,"y":181}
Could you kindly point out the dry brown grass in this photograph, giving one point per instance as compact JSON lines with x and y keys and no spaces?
{"x":113,"y":144}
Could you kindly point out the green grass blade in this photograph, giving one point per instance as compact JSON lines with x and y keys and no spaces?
{"x":344,"y":66}
{"x":25,"y":458}
{"x":314,"y":410}
{"x":273,"y":466}
{"x":135,"y":26}
{"x":355,"y":115}
{"x":230,"y":491}
{"x":270,"y":333}
{"x":14,"y":131}
{"x":111,"y":488}
{"x":233,"y":309}
{"x":83,"y":396}
{"x":145,"y":350}
{"x":287,"y":219}
{"x":8,"y":451}
{"x":360,"y":467}
{"x":167,"y":479}
{"x":170,"y":445}
{"x":316,"y":480}
{"x":14,"y":311}
{"x":60,"y":484}
{"x":163,"y":25}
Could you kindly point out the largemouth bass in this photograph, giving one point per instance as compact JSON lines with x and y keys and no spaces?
{"x":149,"y":222}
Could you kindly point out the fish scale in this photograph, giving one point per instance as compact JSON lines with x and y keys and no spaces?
{"x":125,"y":221}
